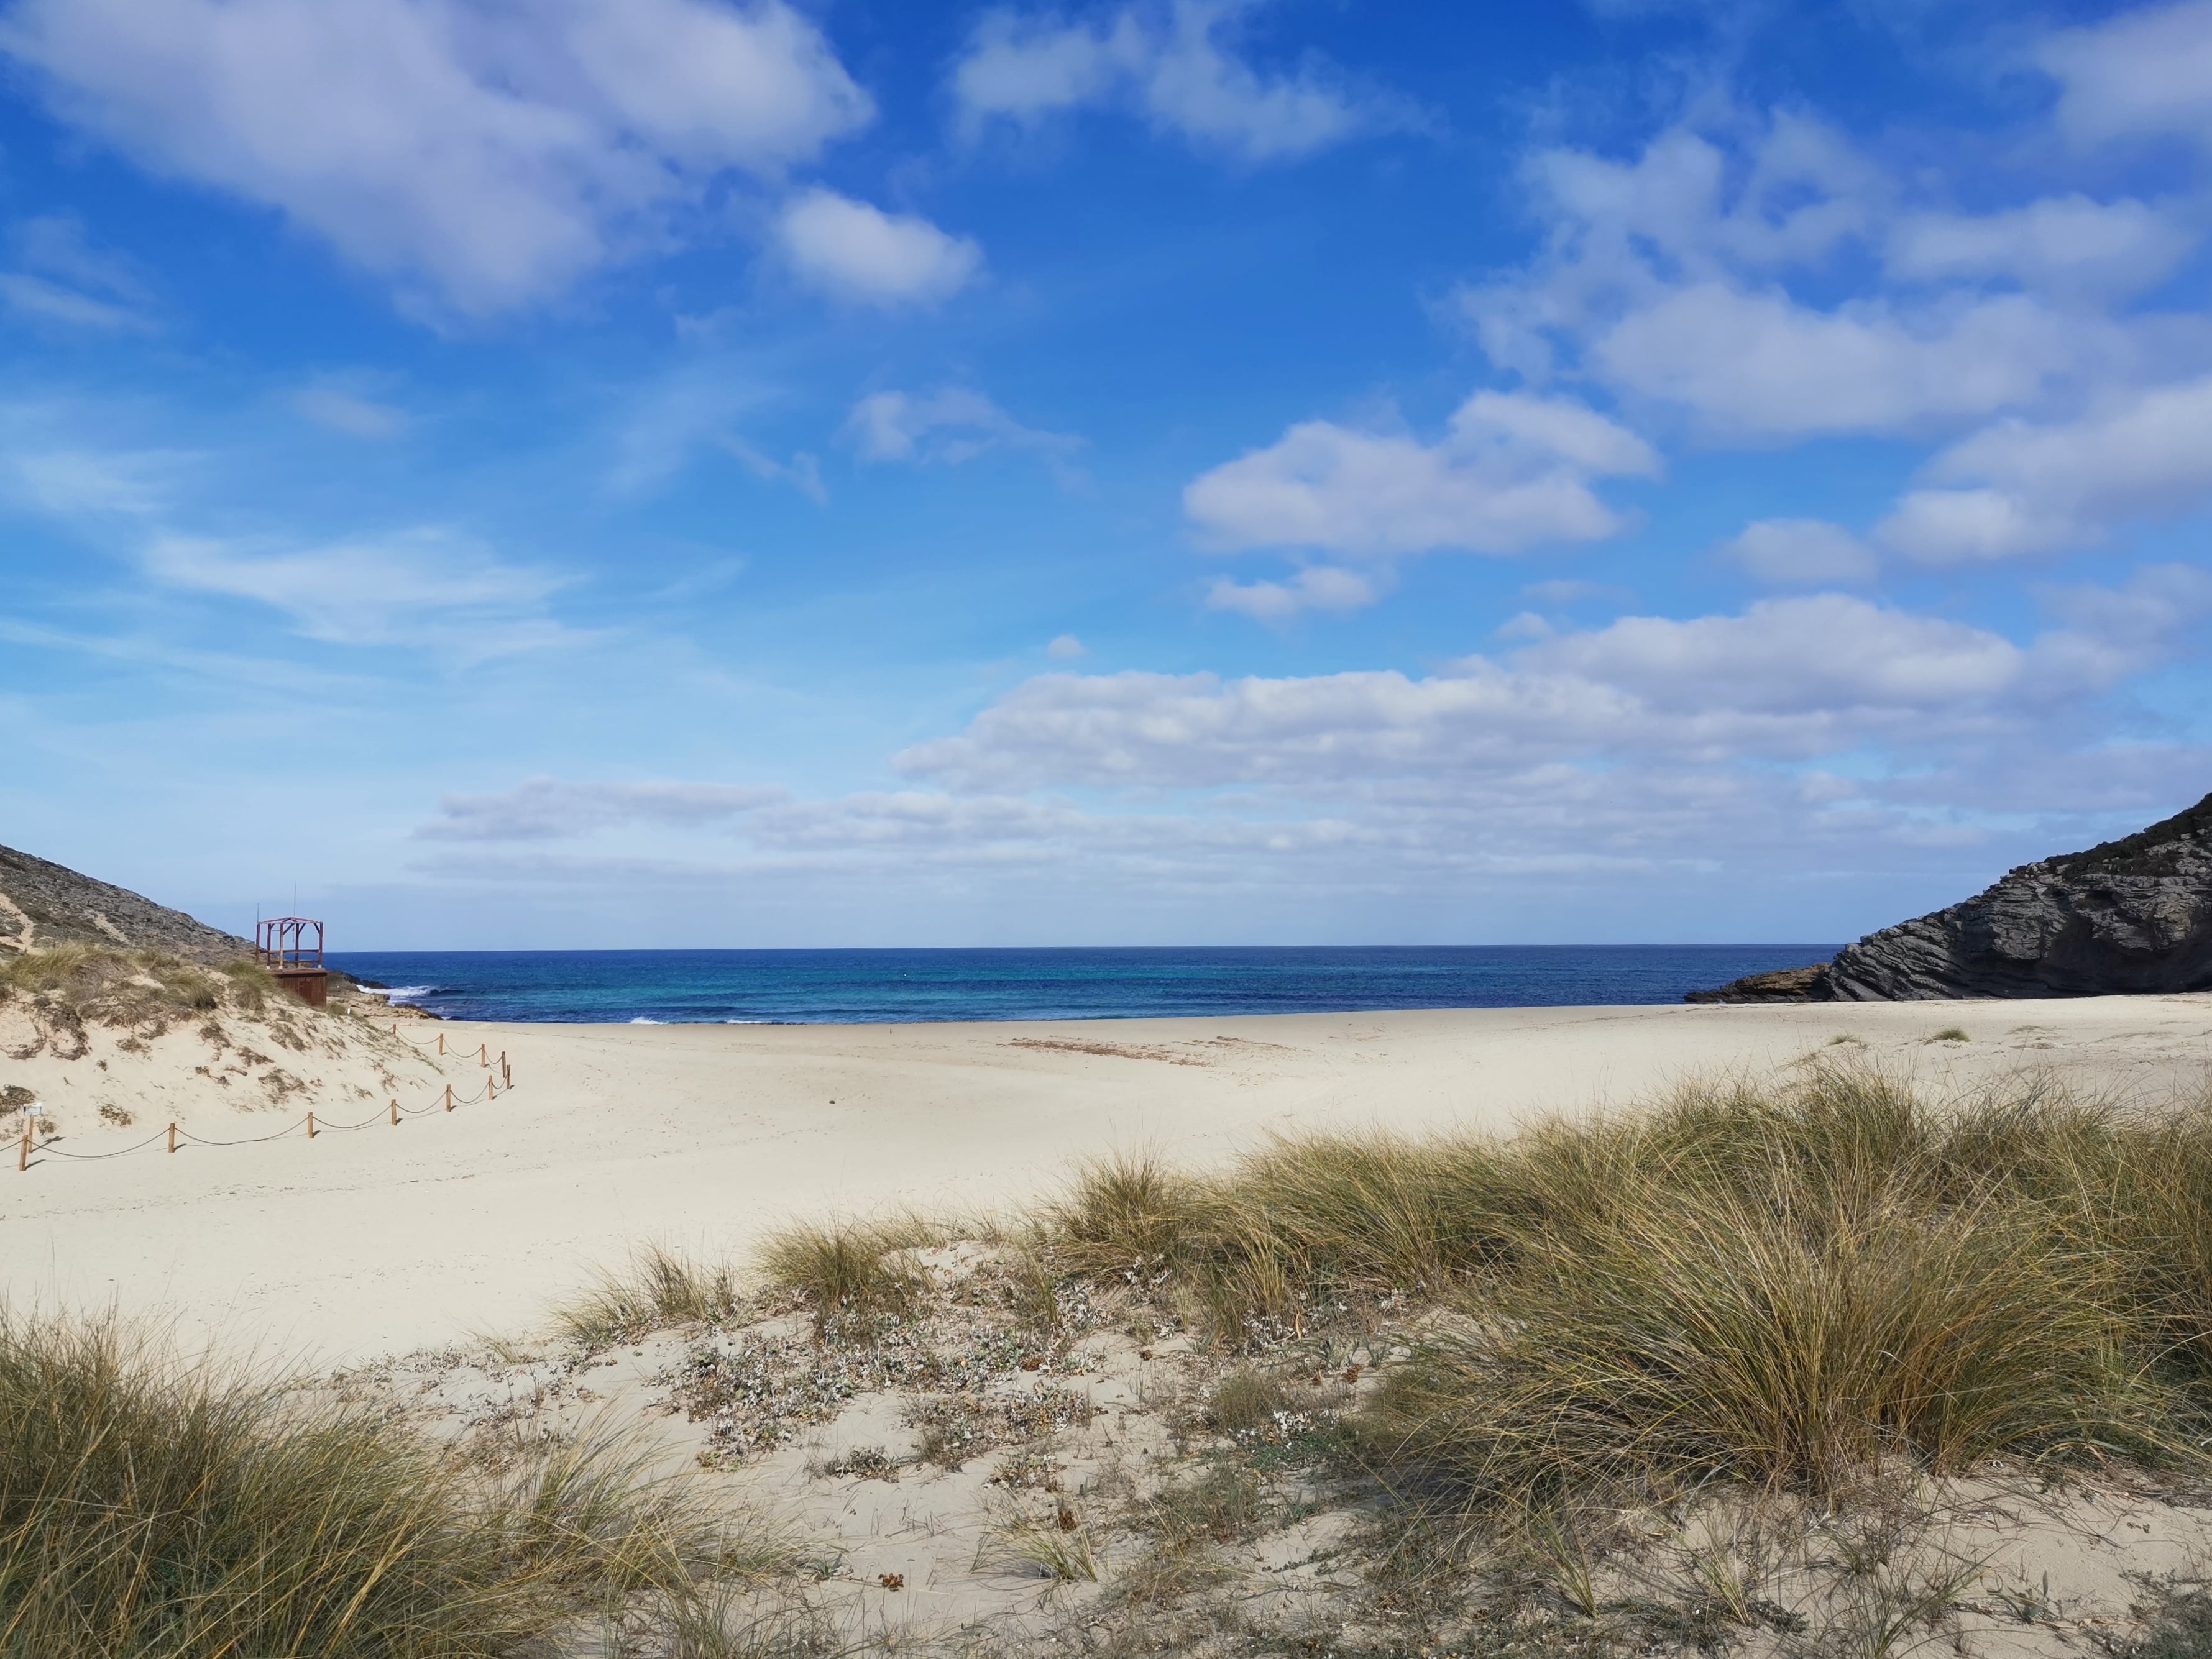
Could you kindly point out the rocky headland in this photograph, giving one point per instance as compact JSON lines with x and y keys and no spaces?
{"x":2128,"y":915}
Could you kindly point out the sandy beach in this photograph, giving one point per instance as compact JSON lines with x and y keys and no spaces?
{"x":391,"y":1239}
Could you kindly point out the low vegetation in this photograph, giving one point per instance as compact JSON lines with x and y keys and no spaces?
{"x":1782,"y":1287}
{"x":155,"y":1510}
{"x":66,"y":988}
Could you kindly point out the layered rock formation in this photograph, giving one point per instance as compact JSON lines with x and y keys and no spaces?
{"x":2131,"y":915}
{"x":44,"y":904}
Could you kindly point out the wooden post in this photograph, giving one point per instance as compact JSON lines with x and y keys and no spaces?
{"x":491,"y":1088}
{"x":311,"y":1126}
{"x":173,"y":1137}
{"x":23,"y":1157}
{"x":449,"y":1096}
{"x":442,"y":1042}
{"x":506,"y":1075}
{"x":395,"y":1114}
{"x":484,"y":1054}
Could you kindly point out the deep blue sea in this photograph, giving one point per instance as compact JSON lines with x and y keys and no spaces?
{"x":806,"y":987}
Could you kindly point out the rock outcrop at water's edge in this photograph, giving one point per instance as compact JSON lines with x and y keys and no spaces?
{"x":1808,"y":984}
{"x":2129,"y":916}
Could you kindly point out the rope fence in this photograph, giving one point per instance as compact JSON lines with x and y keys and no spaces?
{"x":501,"y":1080}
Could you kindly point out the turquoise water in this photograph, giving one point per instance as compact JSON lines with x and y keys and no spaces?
{"x":807,"y":987}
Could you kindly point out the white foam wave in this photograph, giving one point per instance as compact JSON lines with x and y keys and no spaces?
{"x":641,"y":1020}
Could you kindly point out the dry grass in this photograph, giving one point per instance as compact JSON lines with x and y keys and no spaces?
{"x":1775,"y":1284}
{"x":858,"y":1267}
{"x":66,"y":988}
{"x":150,"y":1510}
{"x":661,"y":1289}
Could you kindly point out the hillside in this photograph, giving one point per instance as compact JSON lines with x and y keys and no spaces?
{"x":44,"y":904}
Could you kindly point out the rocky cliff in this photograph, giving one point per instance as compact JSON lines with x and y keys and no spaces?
{"x":2131,"y":915}
{"x":44,"y":904}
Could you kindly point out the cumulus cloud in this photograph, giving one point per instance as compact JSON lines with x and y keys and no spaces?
{"x":2067,"y":245}
{"x":1512,"y":471}
{"x":1318,"y":587}
{"x":946,"y":427}
{"x":2145,"y":72}
{"x":1787,"y":680}
{"x":1066,"y":648}
{"x":485,"y":158}
{"x":1174,"y":65}
{"x":853,"y":251}
{"x":2023,"y":487}
{"x":1678,"y":278}
{"x":550,"y":808}
{"x":1802,"y":553}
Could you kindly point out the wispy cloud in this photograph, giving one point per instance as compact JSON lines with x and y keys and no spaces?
{"x":947,"y":428}
{"x":548,"y":808}
{"x":425,"y":588}
{"x":1178,"y":67}
{"x":60,"y":276}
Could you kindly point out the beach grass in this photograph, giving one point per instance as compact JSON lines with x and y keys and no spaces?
{"x":1785,"y":1284}
{"x":857,"y":1268}
{"x":152,"y":1508}
{"x":1789,"y":1283}
{"x":660,"y":1288}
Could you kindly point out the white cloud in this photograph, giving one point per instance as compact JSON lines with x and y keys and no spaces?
{"x":1787,"y":679}
{"x":1174,"y":65}
{"x":1805,"y":552}
{"x":1759,"y":363}
{"x":50,"y":302}
{"x":1512,"y":472}
{"x":349,"y":413}
{"x":425,"y":588}
{"x":803,"y":472}
{"x":2022,"y":487}
{"x":547,"y":808}
{"x":857,"y":252}
{"x":1066,"y":648}
{"x":1771,"y":284}
{"x":1317,"y":587}
{"x":2144,"y":72}
{"x":2067,"y":245}
{"x":945,"y":427}
{"x":485,"y":158}
{"x":60,"y":277}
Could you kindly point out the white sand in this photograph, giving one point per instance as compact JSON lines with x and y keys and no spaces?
{"x":391,"y":1239}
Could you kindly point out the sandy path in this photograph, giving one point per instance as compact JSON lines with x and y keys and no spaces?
{"x":704,"y":1136}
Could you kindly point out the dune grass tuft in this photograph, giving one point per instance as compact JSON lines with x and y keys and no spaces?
{"x":858,"y":1267}
{"x":155,"y":1510}
{"x":660,"y":1289}
{"x":1777,"y":1283}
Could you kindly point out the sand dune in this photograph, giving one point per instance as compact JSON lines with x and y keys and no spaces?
{"x":396,"y":1238}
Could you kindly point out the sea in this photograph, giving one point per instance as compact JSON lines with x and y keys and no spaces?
{"x":814,"y":987}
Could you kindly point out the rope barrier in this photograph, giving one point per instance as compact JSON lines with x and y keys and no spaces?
{"x":32,"y":1148}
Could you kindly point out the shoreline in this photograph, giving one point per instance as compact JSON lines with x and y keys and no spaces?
{"x":619,"y":1136}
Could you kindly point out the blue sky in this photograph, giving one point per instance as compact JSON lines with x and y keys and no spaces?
{"x":674,"y":473}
